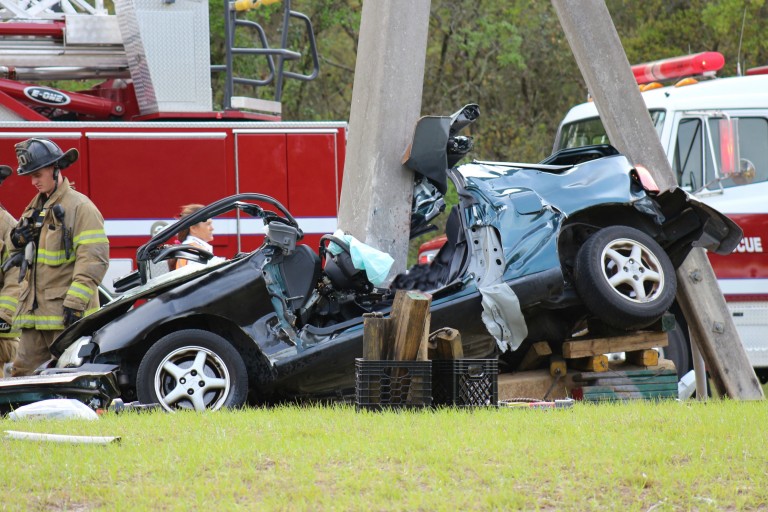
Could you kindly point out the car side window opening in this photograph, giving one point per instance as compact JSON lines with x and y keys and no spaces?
{"x":694,"y":164}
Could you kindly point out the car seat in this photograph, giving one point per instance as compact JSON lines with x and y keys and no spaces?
{"x":300,"y":272}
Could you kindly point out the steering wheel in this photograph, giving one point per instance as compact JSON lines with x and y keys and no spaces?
{"x":198,"y":255}
{"x":330,"y":238}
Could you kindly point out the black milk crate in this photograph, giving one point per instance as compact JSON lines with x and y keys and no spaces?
{"x":465,"y":382}
{"x":392,"y":384}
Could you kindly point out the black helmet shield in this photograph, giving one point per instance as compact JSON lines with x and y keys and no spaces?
{"x":35,"y":154}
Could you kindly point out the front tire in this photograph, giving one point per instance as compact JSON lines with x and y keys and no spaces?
{"x":624,"y":277}
{"x":192,"y":369}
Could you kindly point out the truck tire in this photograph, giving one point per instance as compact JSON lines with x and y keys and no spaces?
{"x":624,"y":277}
{"x":192,"y":369}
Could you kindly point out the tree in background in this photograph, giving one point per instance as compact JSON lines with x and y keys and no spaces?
{"x":510,"y":57}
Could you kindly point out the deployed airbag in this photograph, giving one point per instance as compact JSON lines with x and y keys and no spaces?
{"x":374,"y":262}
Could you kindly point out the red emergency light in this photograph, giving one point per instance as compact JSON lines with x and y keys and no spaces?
{"x":762,"y":70}
{"x":678,"y":67}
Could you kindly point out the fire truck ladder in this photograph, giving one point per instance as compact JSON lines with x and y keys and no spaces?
{"x":163,"y":46}
{"x":277,"y":73}
{"x":73,"y":41}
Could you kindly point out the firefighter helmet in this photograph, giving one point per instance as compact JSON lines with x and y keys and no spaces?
{"x":35,"y":154}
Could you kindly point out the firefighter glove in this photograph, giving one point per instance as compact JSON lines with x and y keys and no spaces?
{"x":5,"y":328}
{"x":71,"y":316}
{"x":22,"y":234}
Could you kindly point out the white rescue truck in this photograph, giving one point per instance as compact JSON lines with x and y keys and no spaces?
{"x":715,"y":133}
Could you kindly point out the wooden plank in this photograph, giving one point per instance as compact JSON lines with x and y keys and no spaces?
{"x":664,"y":379}
{"x":590,"y":363}
{"x":629,"y":395}
{"x":445,"y":343}
{"x":625,"y":374}
{"x":535,"y":356}
{"x":595,"y":346}
{"x":410,"y":316}
{"x":377,"y":332}
{"x":647,"y":357}
{"x":557,"y":365}
{"x":632,"y":387}
{"x":423,"y":353}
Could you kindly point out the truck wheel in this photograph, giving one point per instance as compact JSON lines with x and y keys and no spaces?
{"x":192,"y":369}
{"x":624,"y":277}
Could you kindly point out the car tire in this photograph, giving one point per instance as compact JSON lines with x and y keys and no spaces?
{"x":624,"y":277}
{"x":192,"y":369}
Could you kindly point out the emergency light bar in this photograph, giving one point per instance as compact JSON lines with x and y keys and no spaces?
{"x":762,"y":70}
{"x":678,"y":67}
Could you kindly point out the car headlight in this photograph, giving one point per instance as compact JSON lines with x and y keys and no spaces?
{"x":69,"y":358}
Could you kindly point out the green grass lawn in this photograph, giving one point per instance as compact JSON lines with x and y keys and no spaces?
{"x":630,"y":456}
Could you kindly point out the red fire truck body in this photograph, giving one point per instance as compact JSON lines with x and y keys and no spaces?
{"x":148,"y":138}
{"x":140,"y":174}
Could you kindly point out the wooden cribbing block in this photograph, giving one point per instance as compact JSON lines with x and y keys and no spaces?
{"x":445,"y":343}
{"x":590,"y":363}
{"x":423,"y":353}
{"x":597,"y":346}
{"x":647,"y":357}
{"x":535,"y":356}
{"x":377,"y":332}
{"x":410,"y":317}
{"x":629,"y":376}
{"x":557,"y":366}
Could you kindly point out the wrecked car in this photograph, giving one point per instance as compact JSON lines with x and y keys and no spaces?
{"x":533,"y":252}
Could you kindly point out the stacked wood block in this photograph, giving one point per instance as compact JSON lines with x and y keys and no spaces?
{"x":590,"y":353}
{"x":395,"y":370}
{"x":626,"y":385}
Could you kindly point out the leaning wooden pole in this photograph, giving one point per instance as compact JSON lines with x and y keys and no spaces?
{"x":590,"y":31}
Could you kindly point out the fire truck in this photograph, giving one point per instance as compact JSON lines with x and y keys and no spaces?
{"x":715,"y":134}
{"x":148,"y":137}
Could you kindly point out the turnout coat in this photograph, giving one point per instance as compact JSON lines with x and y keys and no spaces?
{"x":9,"y":284}
{"x":62,"y":277}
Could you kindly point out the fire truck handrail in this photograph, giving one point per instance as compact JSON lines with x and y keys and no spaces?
{"x":277,"y":74}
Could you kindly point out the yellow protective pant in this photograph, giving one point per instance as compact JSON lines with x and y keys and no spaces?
{"x":33,"y":351}
{"x":8,"y":348}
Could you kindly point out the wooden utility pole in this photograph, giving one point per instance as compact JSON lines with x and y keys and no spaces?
{"x":386,"y":103}
{"x":590,"y":31}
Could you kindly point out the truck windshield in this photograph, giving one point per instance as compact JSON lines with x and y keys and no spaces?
{"x":587,"y":132}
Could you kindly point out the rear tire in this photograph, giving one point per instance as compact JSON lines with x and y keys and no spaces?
{"x":624,"y":277}
{"x":192,"y":369}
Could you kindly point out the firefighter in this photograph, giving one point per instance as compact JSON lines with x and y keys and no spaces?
{"x":9,"y":286}
{"x":65,"y":253}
